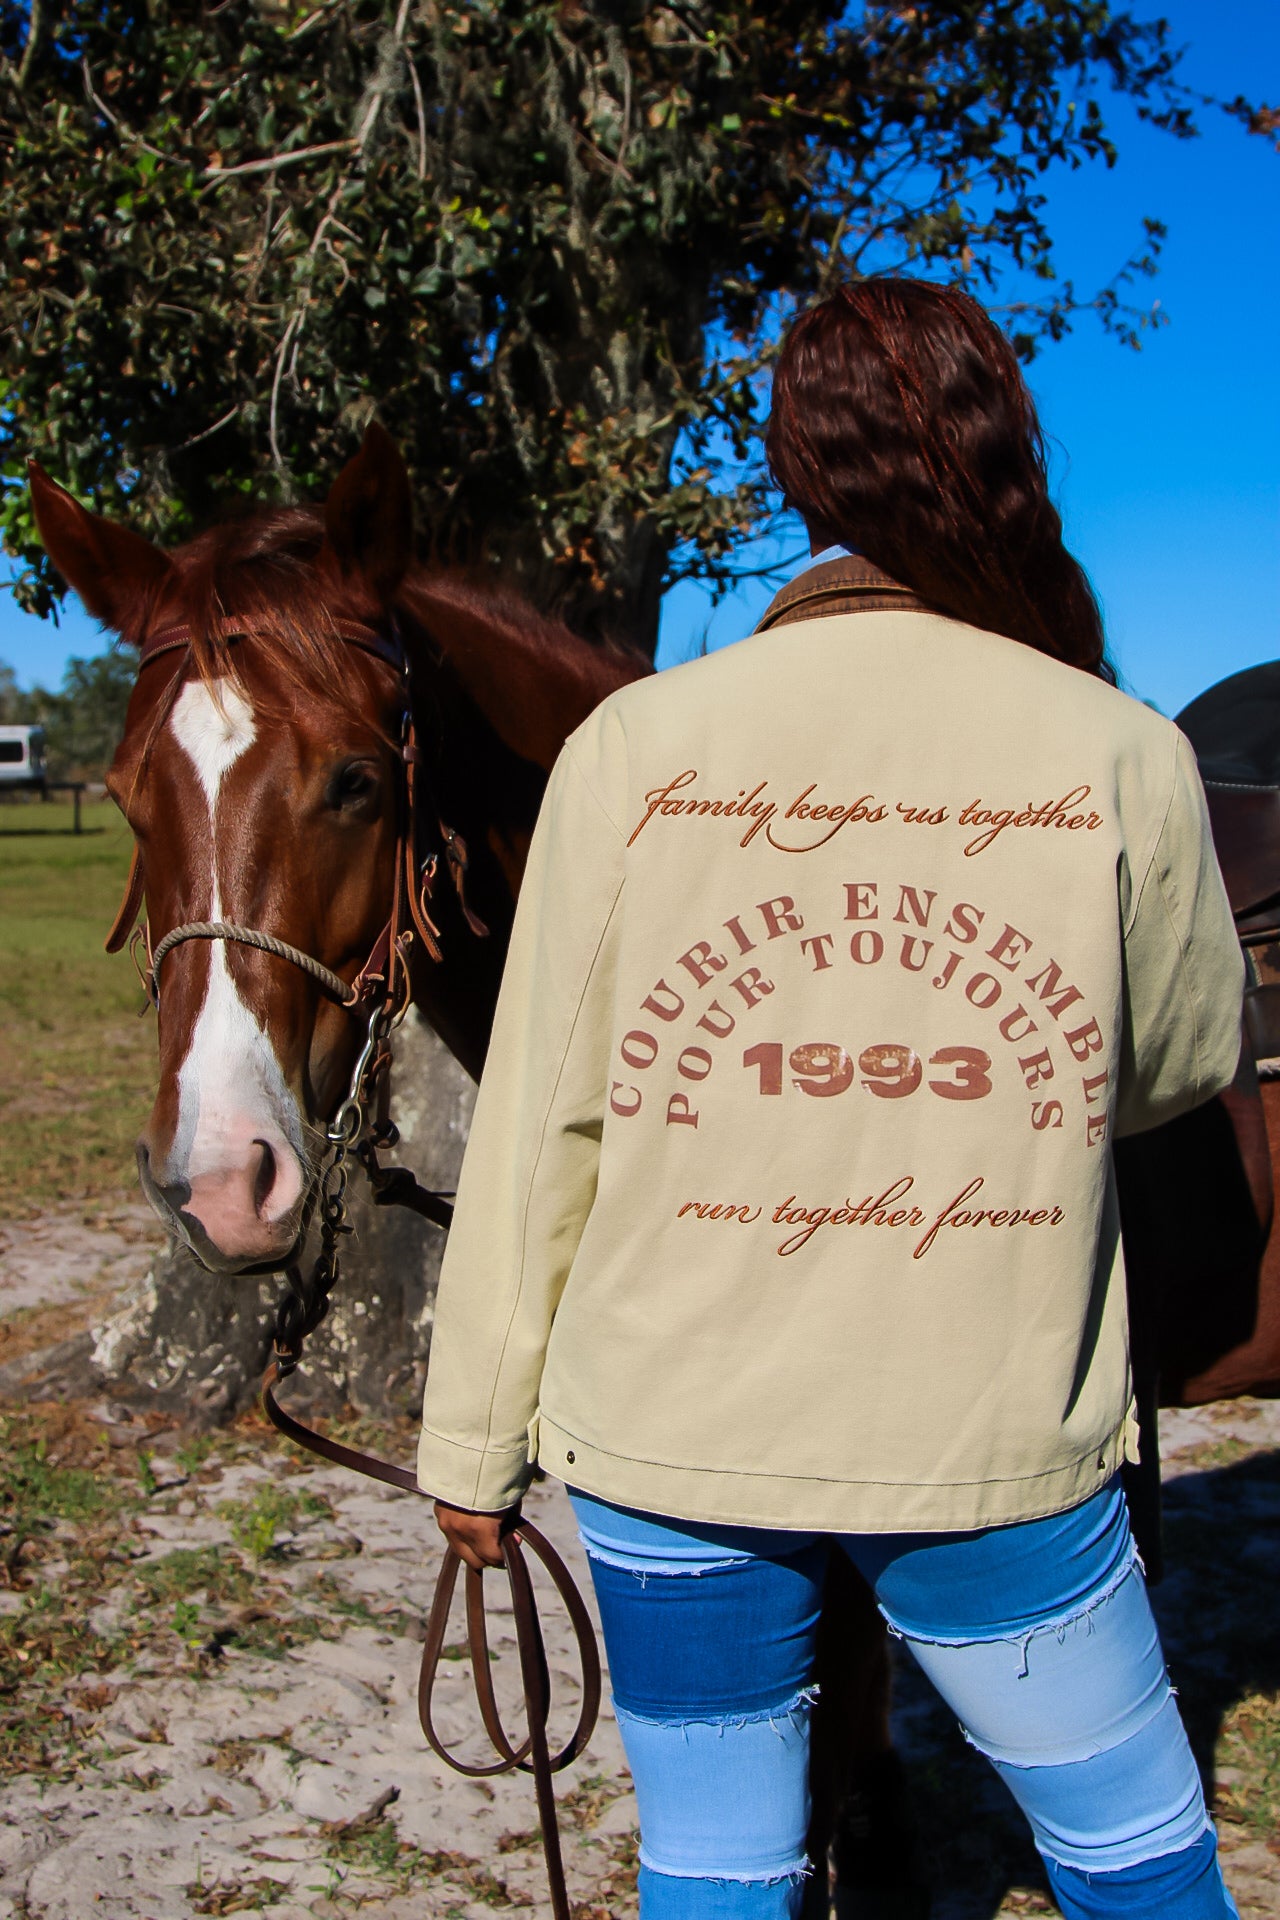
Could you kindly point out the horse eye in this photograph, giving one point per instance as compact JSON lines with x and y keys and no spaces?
{"x":352,"y":787}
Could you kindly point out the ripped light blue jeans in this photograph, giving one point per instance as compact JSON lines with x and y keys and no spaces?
{"x":1039,"y":1636}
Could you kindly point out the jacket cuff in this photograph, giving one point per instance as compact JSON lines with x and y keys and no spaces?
{"x":483,"y":1482}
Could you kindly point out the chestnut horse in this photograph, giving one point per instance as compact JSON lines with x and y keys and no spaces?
{"x":263,"y":782}
{"x":263,"y":773}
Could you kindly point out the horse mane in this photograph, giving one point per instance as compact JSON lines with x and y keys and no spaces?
{"x":528,"y":672}
{"x":265,"y":568}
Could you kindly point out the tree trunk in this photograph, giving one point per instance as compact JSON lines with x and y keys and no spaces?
{"x":198,"y":1345}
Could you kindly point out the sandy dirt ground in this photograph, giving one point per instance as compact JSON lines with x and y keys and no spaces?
{"x":239,"y":1733}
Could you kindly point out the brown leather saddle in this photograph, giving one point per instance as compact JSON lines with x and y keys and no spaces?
{"x":1235,"y":730}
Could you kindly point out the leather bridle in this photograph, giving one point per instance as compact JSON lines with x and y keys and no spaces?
{"x":380,"y":993}
{"x":415,"y":874}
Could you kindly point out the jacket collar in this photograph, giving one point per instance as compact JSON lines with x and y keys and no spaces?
{"x":847,"y":585}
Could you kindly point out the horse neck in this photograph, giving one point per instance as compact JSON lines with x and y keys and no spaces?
{"x":533,"y":679}
{"x":498,"y":688}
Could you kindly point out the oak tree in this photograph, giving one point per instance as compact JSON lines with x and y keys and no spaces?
{"x":550,"y":241}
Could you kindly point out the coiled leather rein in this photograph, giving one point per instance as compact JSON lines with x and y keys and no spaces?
{"x":532,"y":1754}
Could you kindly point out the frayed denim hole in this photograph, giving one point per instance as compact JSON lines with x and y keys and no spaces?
{"x":1023,"y":1641}
{"x":794,"y":1876}
{"x":797,"y":1877}
{"x":609,"y":1557}
{"x":792,"y":1709}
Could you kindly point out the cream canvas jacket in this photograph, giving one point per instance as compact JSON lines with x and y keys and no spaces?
{"x":841,"y":957}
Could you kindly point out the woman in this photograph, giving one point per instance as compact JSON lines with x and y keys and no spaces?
{"x":788,"y":1215}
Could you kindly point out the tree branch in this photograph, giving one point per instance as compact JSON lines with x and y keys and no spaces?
{"x":422,"y":121}
{"x":370,"y":107}
{"x":272,"y":424}
{"x":196,"y":438}
{"x":35,"y":34}
{"x":214,"y":176}
{"x":96,"y":100}
{"x":296,"y":33}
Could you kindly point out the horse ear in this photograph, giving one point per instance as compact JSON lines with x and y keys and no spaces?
{"x":115,"y":571}
{"x":368,"y":517}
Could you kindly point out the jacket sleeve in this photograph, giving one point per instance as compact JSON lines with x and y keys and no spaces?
{"x":529,"y":1174}
{"x":1184,"y":971}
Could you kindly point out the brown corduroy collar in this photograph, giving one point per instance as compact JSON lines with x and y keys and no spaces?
{"x":847,"y":585}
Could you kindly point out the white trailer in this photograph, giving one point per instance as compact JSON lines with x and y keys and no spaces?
{"x":22,"y":758}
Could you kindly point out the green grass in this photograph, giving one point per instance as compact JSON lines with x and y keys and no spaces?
{"x":376,"y":1849}
{"x":56,"y":1467}
{"x":35,"y":1492}
{"x":58,"y":1474}
{"x":221,"y":1576}
{"x":255,"y":1522}
{"x":69,"y":1504}
{"x":76,"y":1064}
{"x":1249,"y":1747}
{"x":212,"y":1597}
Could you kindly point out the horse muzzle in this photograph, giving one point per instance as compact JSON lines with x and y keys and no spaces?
{"x":247,"y":1215}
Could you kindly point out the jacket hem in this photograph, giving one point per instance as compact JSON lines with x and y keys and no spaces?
{"x":795,"y":1502}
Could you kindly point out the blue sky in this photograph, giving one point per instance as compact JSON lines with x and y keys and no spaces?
{"x":1165,"y":461}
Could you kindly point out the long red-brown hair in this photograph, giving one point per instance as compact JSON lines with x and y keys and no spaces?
{"x":901,"y":426}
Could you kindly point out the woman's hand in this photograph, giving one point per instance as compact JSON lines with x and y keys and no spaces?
{"x":475,"y":1536}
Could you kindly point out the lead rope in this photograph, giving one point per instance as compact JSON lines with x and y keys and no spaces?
{"x":350,"y":1135}
{"x":303,"y":1307}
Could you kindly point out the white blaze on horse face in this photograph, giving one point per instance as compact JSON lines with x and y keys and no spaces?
{"x":214,"y":726}
{"x":238,"y":1141}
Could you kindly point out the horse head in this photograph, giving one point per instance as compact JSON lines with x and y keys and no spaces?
{"x":301,"y":682}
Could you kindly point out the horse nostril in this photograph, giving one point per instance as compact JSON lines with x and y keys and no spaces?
{"x":265,"y":1178}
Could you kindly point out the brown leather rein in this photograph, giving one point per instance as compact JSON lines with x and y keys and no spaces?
{"x":361,"y":1126}
{"x":532,"y":1754}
